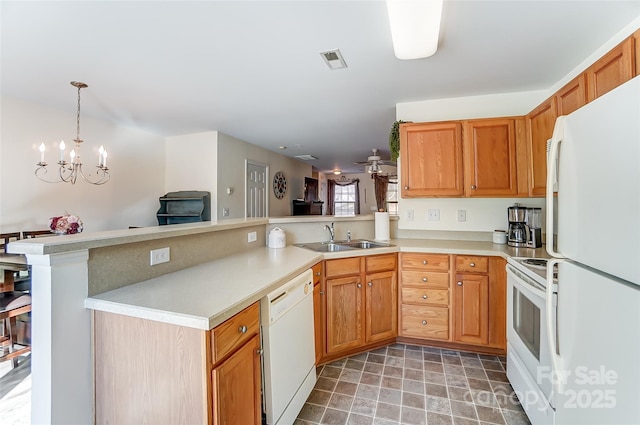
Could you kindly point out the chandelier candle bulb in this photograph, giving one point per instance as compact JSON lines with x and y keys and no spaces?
{"x":42,"y":148}
{"x":62,"y":147}
{"x":100,"y":154}
{"x":104,"y":159}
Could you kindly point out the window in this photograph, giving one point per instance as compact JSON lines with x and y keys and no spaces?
{"x":345,"y":200}
{"x":392,"y":196}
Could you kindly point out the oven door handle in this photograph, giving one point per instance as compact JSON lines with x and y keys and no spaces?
{"x":558,"y":375}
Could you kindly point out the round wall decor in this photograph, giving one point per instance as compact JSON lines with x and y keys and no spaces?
{"x":279,"y":185}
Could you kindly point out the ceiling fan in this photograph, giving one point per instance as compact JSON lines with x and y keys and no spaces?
{"x":374,"y":162}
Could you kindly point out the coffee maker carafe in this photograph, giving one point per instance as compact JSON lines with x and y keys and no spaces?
{"x":518,"y":232}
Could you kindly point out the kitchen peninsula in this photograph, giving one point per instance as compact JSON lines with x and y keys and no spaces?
{"x":70,"y":272}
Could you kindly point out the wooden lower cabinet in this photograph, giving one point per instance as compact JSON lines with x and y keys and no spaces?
{"x":381,"y":306}
{"x":237,"y":387}
{"x":318,"y":323}
{"x":344,"y":313}
{"x":425,"y":322}
{"x":359,"y":303}
{"x":158,"y":373}
{"x":471,"y":300}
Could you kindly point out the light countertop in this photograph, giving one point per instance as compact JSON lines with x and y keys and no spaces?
{"x":206,"y":295}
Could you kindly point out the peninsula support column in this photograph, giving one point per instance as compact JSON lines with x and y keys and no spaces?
{"x":61,"y":372}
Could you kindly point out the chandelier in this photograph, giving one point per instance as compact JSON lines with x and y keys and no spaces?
{"x":68,"y":172}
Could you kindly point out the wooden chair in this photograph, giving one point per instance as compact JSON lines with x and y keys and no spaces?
{"x":12,"y":304}
{"x":5,"y":238}
{"x":28,"y":234}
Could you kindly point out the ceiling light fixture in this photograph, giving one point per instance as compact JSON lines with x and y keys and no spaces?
{"x":415,"y":27}
{"x":69,"y":171}
{"x":337,"y":172}
{"x":374,"y":168}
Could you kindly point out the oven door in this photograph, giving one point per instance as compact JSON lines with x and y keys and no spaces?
{"x":527,"y":340}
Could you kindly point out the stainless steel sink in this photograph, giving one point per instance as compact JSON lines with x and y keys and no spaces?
{"x":337,"y":246}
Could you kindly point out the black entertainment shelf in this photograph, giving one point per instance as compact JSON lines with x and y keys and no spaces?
{"x":186,"y":206}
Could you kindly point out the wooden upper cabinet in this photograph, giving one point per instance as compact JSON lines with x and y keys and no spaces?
{"x":431,"y":159}
{"x":611,"y":70}
{"x":540,"y":124}
{"x":572,"y":96}
{"x":490,"y":157}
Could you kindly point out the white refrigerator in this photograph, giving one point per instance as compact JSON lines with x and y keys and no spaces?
{"x":594,"y":158}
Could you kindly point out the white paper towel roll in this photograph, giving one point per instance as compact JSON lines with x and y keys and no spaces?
{"x":382,"y":226}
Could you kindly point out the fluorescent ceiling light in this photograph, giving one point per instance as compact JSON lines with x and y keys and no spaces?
{"x":415,"y":27}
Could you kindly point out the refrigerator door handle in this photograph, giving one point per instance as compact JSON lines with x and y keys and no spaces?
{"x":552,"y":177}
{"x":557,"y":374}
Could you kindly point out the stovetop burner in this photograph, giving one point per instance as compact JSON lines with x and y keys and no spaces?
{"x":535,"y":268}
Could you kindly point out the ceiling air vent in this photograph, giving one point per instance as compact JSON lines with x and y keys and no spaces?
{"x":333,"y":59}
{"x":306,"y":157}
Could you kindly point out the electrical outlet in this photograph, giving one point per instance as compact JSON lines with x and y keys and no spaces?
{"x":159,"y":256}
{"x":252,"y":237}
{"x":225,"y":212}
{"x":462,"y":215}
{"x":433,"y":215}
{"x":409,"y":215}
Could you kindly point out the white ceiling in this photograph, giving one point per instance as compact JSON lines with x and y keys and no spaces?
{"x":253,"y":70}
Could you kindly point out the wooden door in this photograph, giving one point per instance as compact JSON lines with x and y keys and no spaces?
{"x":237,"y":387}
{"x":572,"y":96}
{"x":431,"y":159}
{"x":381,"y":306}
{"x":611,"y":70}
{"x":540,"y":124}
{"x":256,"y":204}
{"x":490,"y":158}
{"x":344,"y":313}
{"x":471,"y":309}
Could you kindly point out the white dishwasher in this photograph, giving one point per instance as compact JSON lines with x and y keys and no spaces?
{"x":289,"y":349}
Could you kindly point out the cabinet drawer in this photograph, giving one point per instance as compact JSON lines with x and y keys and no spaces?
{"x":425,"y":296}
{"x":425,"y":279}
{"x":378,"y":263}
{"x":433,"y":262}
{"x":342,"y":267}
{"x":472,"y":264}
{"x":425,"y":322}
{"x":317,"y":273}
{"x":234,"y":332}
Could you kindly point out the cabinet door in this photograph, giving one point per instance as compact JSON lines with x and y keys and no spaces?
{"x":490,"y":158}
{"x":611,"y":70}
{"x":540,"y":124}
{"x":431,"y":159}
{"x":381,"y":306}
{"x":636,"y":40}
{"x":572,"y":96}
{"x":317,"y":320}
{"x":237,"y":387}
{"x":344,"y":313}
{"x":471,"y":309}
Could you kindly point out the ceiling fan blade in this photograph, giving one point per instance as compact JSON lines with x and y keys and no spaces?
{"x":362,"y":163}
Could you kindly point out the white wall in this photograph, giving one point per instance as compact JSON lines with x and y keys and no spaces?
{"x":232,"y":154}
{"x":192,"y":164}
{"x":130,"y":198}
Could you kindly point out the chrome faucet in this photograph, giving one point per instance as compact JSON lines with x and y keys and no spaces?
{"x":331,"y":230}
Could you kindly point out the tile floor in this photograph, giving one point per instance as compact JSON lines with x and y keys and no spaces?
{"x":408,"y":384}
{"x":15,"y":392}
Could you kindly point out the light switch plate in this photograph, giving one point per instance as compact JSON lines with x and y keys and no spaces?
{"x":462,"y":215}
{"x":433,"y":215}
{"x":252,"y":237}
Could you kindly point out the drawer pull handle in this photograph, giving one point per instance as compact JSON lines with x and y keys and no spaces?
{"x":317,"y":273}
{"x":242,"y":329}
{"x":321,"y":292}
{"x":259,"y":352}
{"x":370,"y":284}
{"x":424,"y":279}
{"x":460,"y":283}
{"x":424,"y":297}
{"x":359,"y":285}
{"x":473,"y":186}
{"x":424,"y":322}
{"x":425,"y":262}
{"x":406,"y":188}
{"x":472,"y":264}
